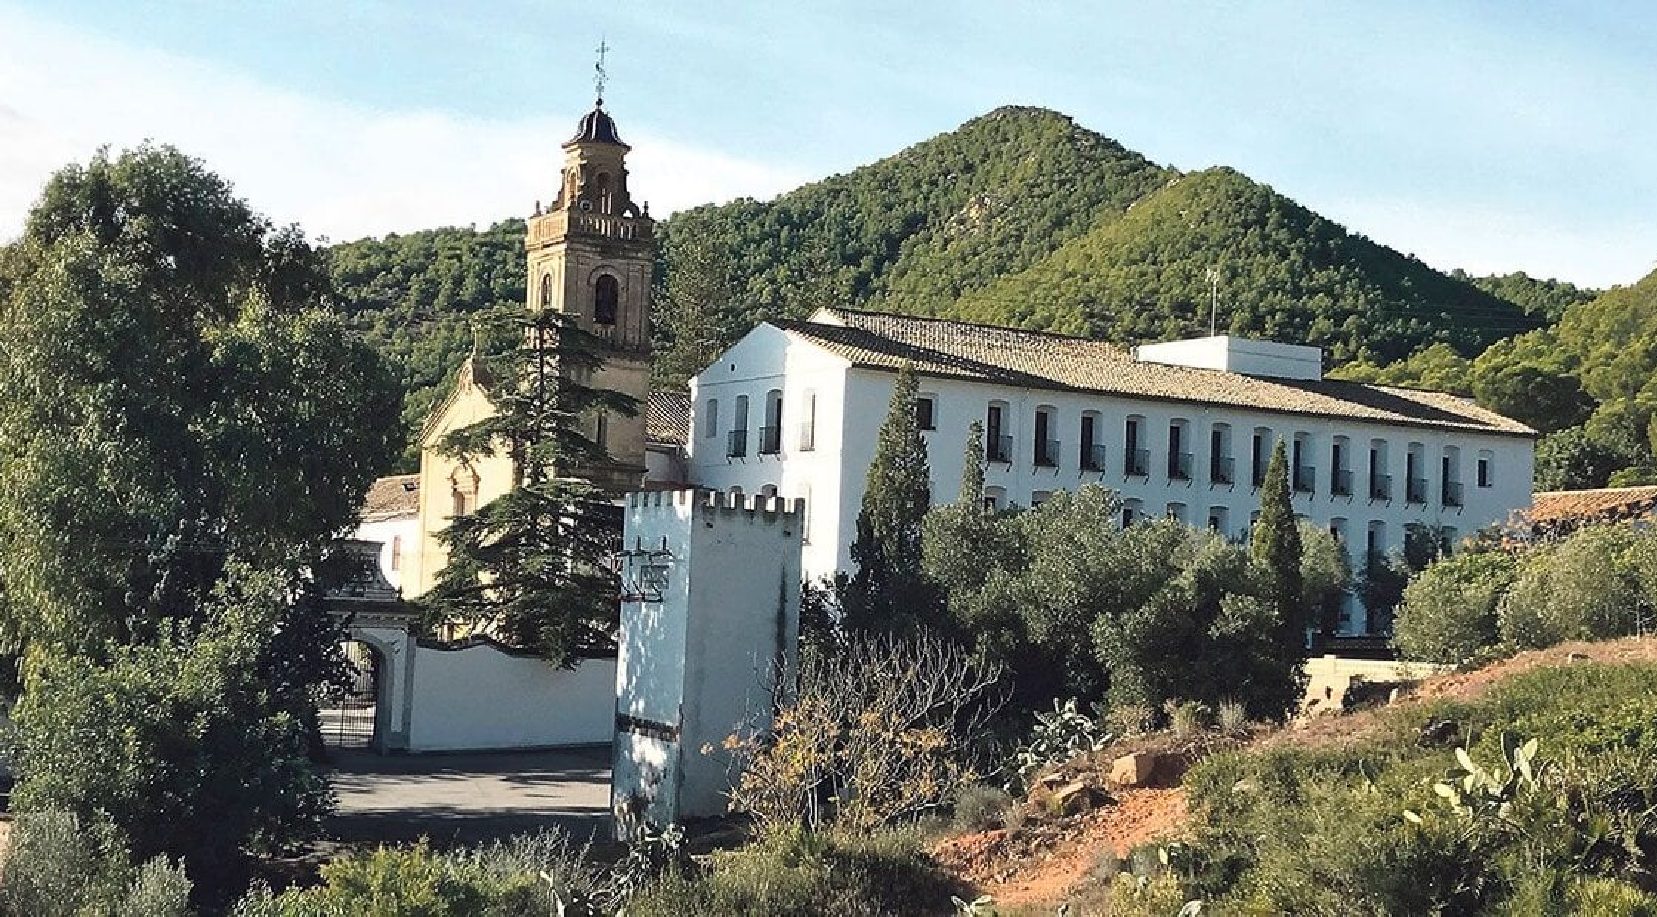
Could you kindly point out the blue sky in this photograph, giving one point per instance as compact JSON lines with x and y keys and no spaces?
{"x":1491,"y":136}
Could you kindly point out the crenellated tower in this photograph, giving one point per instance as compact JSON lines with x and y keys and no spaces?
{"x":591,"y":254}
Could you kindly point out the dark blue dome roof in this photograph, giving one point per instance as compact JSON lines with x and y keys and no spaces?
{"x":596,"y":127}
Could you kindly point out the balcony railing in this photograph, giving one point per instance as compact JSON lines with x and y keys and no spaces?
{"x":1136,"y":463}
{"x":1221,"y":470}
{"x":1340,"y":483}
{"x":808,"y":436}
{"x":1047,"y":454}
{"x":1179,"y":466}
{"x":1093,"y":457}
{"x":736,"y":444}
{"x":1415,"y":490}
{"x":999,"y":449}
{"x":1305,"y":480}
{"x":770,"y":440}
{"x":1380,"y":487}
{"x":1452,"y":493}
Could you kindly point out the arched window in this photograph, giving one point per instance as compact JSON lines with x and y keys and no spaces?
{"x":606,"y":297}
{"x":546,"y":291}
{"x":602,"y":190}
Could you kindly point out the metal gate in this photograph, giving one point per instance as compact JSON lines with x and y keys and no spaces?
{"x":348,"y":714}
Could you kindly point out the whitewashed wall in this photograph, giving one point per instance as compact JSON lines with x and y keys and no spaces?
{"x":851,"y":404}
{"x":399,"y":539}
{"x":481,"y":697}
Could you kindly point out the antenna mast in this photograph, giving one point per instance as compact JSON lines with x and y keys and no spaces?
{"x":1213,"y":301}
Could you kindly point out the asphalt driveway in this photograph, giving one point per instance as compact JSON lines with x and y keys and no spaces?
{"x":465,"y":798}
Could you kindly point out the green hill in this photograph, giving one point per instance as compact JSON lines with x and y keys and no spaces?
{"x":1283,"y":272}
{"x":1018,"y":217}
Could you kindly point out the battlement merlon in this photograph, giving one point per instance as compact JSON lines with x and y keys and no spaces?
{"x":712,"y":502}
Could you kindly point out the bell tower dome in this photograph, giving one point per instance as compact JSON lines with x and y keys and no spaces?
{"x":590,"y":256}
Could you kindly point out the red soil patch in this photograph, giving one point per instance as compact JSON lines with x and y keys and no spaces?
{"x":1044,"y":863}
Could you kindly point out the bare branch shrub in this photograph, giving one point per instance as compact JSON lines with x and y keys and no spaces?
{"x":880,"y":731}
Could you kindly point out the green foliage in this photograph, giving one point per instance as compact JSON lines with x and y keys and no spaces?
{"x":1321,"y":830}
{"x":1587,"y":587}
{"x":531,"y":562}
{"x":58,"y":865}
{"x":1449,"y":612}
{"x":1275,"y":549}
{"x":889,"y":590}
{"x":1056,"y":737}
{"x":1572,"y":459}
{"x":1436,"y":367}
{"x":414,"y":298}
{"x":187,"y":744}
{"x":216,"y":408}
{"x":844,"y":875}
{"x":524,"y":875}
{"x":1545,"y":298}
{"x":1286,"y":274}
{"x":981,"y":807}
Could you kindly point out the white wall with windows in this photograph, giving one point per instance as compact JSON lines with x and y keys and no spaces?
{"x":1197,"y":462}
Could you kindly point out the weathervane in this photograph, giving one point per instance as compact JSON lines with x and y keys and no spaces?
{"x":599,"y":76}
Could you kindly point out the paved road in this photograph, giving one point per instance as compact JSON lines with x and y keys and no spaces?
{"x":465,"y":798}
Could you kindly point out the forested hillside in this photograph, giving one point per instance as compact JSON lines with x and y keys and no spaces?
{"x":1018,"y":217}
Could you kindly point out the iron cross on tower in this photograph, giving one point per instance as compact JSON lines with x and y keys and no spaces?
{"x":599,"y":76}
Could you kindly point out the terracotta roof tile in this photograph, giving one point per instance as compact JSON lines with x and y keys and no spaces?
{"x":388,"y":498}
{"x":667,"y":417}
{"x":1030,"y":359}
{"x":1605,"y":504}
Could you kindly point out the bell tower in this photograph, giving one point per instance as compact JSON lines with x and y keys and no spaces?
{"x":591,"y":254}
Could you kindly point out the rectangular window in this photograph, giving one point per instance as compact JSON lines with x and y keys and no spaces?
{"x":1484,"y":472}
{"x":1045,"y":456}
{"x":1257,"y":459}
{"x":1090,"y":461}
{"x":808,"y":426}
{"x":997,"y":447}
{"x":926,"y":408}
{"x":1135,"y":461}
{"x":710,"y":419}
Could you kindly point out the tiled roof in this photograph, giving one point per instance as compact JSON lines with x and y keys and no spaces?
{"x":667,"y":417}
{"x":388,"y":498}
{"x":1029,"y":359}
{"x":1554,"y":506}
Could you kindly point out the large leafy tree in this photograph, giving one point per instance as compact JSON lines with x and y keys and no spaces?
{"x":172,"y":392}
{"x":530,"y":565}
{"x":183,"y":427}
{"x":890,"y":587}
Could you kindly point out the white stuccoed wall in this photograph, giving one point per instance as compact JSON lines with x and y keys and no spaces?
{"x":403,"y":531}
{"x":851,"y":404}
{"x":482,"y":697}
{"x":702,"y":663}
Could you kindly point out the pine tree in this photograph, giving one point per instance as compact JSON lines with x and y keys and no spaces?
{"x":530,"y":565}
{"x":890,"y":589}
{"x":1275,"y":548}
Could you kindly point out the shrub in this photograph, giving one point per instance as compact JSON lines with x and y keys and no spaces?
{"x":1058,"y":736}
{"x":981,"y":807}
{"x":881,"y":729}
{"x":804,"y":874}
{"x":1449,"y":610}
{"x":1189,"y":718}
{"x":1232,"y":718}
{"x":59,"y":866}
{"x":1584,"y":588}
{"x":183,"y":743}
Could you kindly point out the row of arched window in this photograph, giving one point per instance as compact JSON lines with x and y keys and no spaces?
{"x":606,"y":297}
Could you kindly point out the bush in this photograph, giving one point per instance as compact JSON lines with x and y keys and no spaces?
{"x":183,"y":744}
{"x":59,"y":866}
{"x":1584,"y":588}
{"x":981,"y":807}
{"x":1449,"y":612}
{"x":1056,"y":737}
{"x":1189,"y":718}
{"x":1297,"y":830}
{"x":805,"y":874}
{"x":880,"y":732}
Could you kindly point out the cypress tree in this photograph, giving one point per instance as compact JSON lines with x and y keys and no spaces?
{"x":889,"y":589}
{"x":971,"y":496}
{"x":1274,"y":545}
